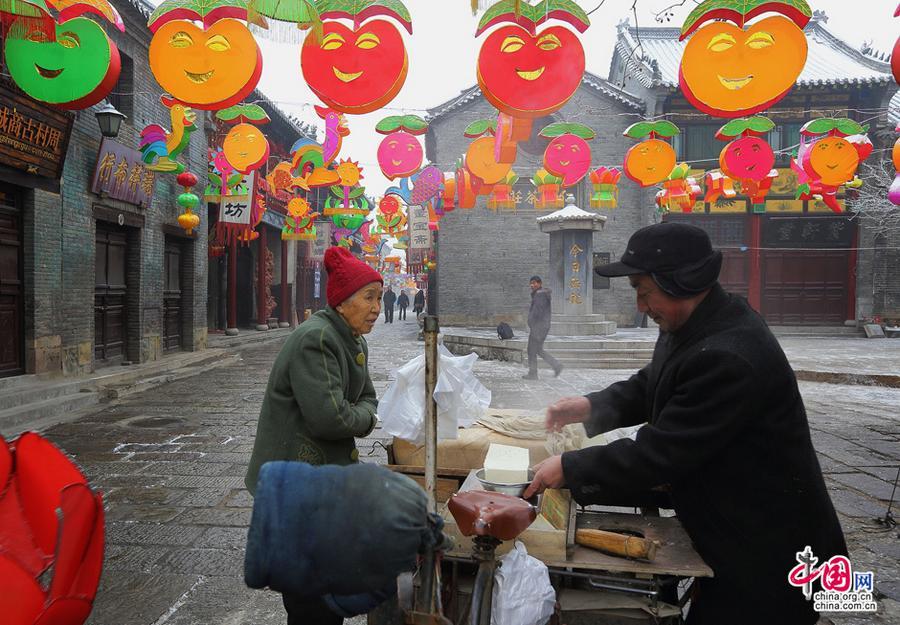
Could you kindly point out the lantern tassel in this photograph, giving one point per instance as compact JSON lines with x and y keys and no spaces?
{"x":474,"y":4}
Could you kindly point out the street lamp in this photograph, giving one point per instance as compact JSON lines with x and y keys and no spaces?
{"x":109,"y":119}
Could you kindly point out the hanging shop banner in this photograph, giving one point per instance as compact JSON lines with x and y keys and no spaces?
{"x":322,"y":241}
{"x":419,"y":234}
{"x":120,"y":174}
{"x":236,"y":209}
{"x":808,"y":232}
{"x":33,"y":138}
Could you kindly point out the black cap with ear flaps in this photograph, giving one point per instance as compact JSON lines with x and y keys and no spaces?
{"x":679,"y":257}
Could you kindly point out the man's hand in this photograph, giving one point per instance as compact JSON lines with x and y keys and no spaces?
{"x":547,"y":474}
{"x":567,"y":410}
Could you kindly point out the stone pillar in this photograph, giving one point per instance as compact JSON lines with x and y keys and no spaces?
{"x":571,"y":278}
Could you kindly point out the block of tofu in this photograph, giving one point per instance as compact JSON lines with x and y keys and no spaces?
{"x":505,"y":464}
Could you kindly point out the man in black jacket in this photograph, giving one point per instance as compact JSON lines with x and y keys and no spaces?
{"x":538,"y":328}
{"x":726,"y":435}
{"x":389,"y":298}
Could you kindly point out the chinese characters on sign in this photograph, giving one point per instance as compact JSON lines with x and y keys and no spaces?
{"x":322,"y":241}
{"x":121,"y":175}
{"x":419,"y":234}
{"x":33,"y":138}
{"x":574,"y":275}
{"x":843,"y":589}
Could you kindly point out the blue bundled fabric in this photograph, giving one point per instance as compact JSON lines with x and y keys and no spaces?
{"x":334,"y":530}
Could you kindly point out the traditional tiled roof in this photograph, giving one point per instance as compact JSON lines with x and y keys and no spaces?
{"x":593,"y":81}
{"x":656,"y":52}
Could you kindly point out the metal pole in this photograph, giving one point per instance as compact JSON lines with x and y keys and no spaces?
{"x":431,"y":375}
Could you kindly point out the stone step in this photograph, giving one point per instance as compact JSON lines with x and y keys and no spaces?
{"x":599,"y":347}
{"x":602,"y":355}
{"x":130,"y":387}
{"x":19,"y":381}
{"x":38,"y":390}
{"x":35,"y":415}
{"x":818,"y":331}
{"x":588,"y":363}
{"x":124,"y":375}
{"x":583,"y":328}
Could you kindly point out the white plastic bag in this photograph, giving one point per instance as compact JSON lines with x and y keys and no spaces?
{"x":523,"y":594}
{"x":460,"y":397}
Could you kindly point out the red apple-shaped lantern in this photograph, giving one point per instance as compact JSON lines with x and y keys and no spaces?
{"x":525,"y":73}
{"x":568,"y":155}
{"x":400,"y":154}
{"x":361,"y":69}
{"x":748,"y":158}
{"x":895,"y":56}
{"x":652,"y":160}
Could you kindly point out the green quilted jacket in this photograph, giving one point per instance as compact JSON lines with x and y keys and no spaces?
{"x":319,"y":397}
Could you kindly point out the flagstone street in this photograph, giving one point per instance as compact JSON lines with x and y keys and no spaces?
{"x":171,"y":461}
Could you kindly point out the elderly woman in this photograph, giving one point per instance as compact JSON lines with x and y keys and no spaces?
{"x":320,"y":396}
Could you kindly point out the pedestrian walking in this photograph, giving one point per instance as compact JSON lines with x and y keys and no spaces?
{"x":538,"y":328}
{"x":389,"y":298}
{"x":726,"y":436}
{"x":402,"y":304}
{"x":320,"y":395}
{"x":419,"y":302}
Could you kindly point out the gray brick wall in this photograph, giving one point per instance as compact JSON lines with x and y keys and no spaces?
{"x":60,"y":229}
{"x":485,"y":258}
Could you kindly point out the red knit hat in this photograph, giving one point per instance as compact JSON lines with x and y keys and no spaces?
{"x":346,"y":275}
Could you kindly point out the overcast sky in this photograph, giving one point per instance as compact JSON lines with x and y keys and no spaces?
{"x":443,"y":51}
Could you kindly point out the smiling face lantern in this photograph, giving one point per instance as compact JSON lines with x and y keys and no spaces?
{"x":245,"y":147}
{"x":568,"y":155}
{"x":525,"y":73}
{"x":730,"y":69}
{"x":748,"y":158}
{"x":833,"y":159}
{"x":357,"y":70}
{"x":650,"y":161}
{"x":74,"y":68}
{"x":210,"y":67}
{"x":400,"y":154}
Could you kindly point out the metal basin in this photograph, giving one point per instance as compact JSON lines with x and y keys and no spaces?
{"x":515,"y":490}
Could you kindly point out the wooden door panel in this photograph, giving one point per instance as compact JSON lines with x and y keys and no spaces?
{"x":12,"y":288}
{"x":10,"y":336}
{"x":807,"y":287}
{"x":172,"y":296}
{"x":110,"y":295}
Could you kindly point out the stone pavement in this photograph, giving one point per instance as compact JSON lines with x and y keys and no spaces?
{"x":171,"y":463}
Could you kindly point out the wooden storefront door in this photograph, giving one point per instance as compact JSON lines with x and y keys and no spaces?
{"x":806,"y":266}
{"x":12,"y":293}
{"x":110,"y":295}
{"x":172,"y":296}
{"x":804,"y":287}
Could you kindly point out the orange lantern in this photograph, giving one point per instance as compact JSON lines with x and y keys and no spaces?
{"x":208,"y":68}
{"x":650,"y":161}
{"x":729,"y":69}
{"x":480,"y":155}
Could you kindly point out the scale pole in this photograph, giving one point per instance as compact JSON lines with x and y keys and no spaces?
{"x":431,"y":375}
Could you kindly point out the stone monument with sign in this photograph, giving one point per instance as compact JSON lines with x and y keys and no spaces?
{"x":571,"y":275}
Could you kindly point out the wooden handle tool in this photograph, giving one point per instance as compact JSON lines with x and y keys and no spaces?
{"x":617,"y":544}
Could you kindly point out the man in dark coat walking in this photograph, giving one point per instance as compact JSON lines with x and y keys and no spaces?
{"x":726,"y":435}
{"x":402,"y":304}
{"x":538,"y":328}
{"x":389,"y":298}
{"x":419,"y":302}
